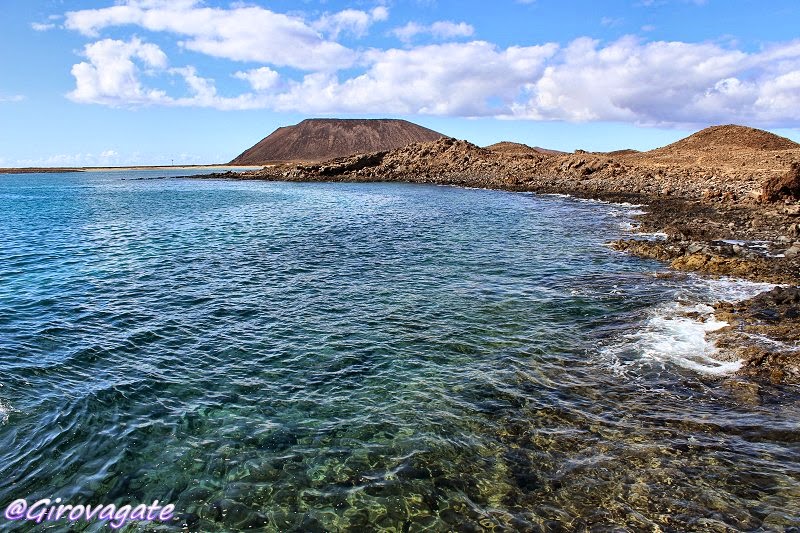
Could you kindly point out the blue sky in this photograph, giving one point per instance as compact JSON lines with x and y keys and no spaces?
{"x":190,"y":81}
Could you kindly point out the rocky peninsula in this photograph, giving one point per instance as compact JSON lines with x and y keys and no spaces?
{"x":725,"y":200}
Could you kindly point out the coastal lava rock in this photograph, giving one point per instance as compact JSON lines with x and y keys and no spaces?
{"x":786,"y":186}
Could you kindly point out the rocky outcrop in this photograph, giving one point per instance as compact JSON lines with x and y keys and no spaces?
{"x":783,"y":187}
{"x":446,"y":161}
{"x":764,"y":332}
{"x":717,"y":258}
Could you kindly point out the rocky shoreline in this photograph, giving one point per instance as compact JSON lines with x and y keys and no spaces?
{"x":718,"y":209}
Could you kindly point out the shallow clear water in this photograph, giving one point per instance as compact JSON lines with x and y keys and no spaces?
{"x":308,"y":357}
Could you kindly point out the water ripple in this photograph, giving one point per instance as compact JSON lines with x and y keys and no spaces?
{"x":309,"y":357}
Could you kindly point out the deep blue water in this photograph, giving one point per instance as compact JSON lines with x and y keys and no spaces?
{"x":309,"y":357}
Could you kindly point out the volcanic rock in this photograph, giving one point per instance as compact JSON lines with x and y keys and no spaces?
{"x":781,"y":187}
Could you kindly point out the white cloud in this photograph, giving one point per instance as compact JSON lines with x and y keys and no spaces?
{"x":630,"y":80}
{"x":627,"y":80}
{"x":439,"y":30}
{"x":260,"y":79}
{"x":241,"y":34}
{"x":111,"y":77}
{"x":665,"y":83}
{"x":466,"y":79}
{"x":610,"y":22}
{"x":350,"y":21}
{"x":11,"y":98}
{"x":203,"y":93}
{"x":104,"y":158}
{"x":109,"y":158}
{"x":39,"y":26}
{"x":655,"y":83}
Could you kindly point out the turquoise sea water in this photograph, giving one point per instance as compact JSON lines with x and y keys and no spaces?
{"x":368,"y":357}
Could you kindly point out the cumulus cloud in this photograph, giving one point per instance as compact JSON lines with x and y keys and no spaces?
{"x":110,"y":76}
{"x":627,"y":80}
{"x":630,"y":79}
{"x":111,"y":158}
{"x":664,"y":83}
{"x":350,"y":21}
{"x":467,"y":79}
{"x":243,"y":33}
{"x":439,"y":30}
{"x":113,"y":76}
{"x":260,"y":79}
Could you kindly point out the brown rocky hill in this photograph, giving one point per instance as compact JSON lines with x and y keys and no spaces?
{"x":732,"y":136}
{"x":322,"y":139}
{"x":622,"y":152}
{"x":730,"y":148}
{"x":519,"y":149}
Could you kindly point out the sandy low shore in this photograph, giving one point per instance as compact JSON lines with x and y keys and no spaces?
{"x":705,"y":203}
{"x":62,"y":170}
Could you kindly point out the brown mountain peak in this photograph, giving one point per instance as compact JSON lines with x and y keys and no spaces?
{"x":320,"y":139}
{"x":733,"y":136}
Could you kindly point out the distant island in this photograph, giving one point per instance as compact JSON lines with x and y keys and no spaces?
{"x":40,"y":170}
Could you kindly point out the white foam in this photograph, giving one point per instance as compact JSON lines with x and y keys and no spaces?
{"x":671,"y":337}
{"x":4,"y":411}
{"x":676,"y":333}
{"x":590,"y":200}
{"x":772,"y":344}
{"x":760,"y":247}
{"x":752,"y":244}
{"x":724,"y":289}
{"x":654,"y":236}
